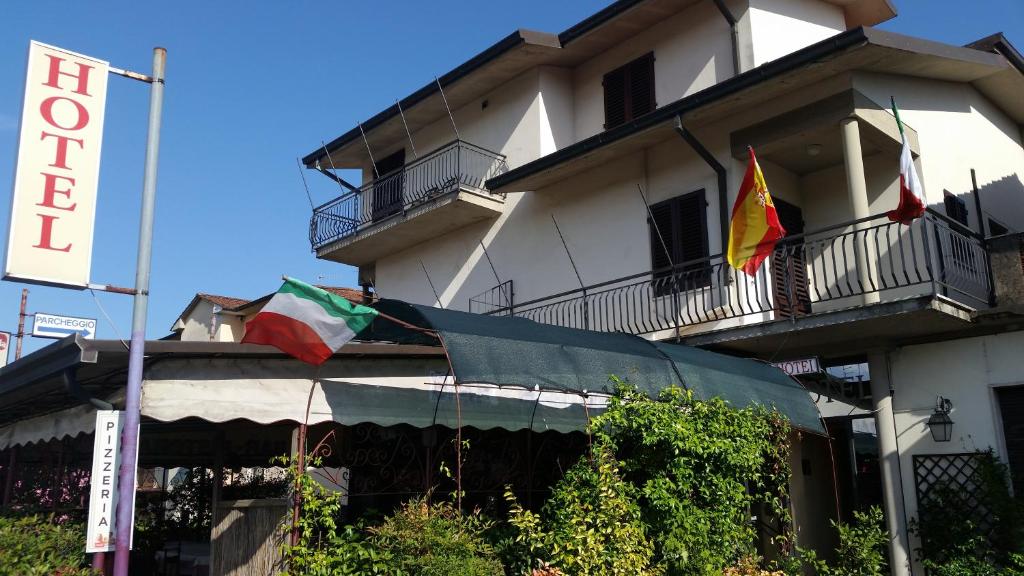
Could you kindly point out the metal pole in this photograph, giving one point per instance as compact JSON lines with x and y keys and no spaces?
{"x":130,"y":436}
{"x":21,"y":322}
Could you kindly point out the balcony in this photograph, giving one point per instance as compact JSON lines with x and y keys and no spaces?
{"x":432,"y":195}
{"x":870,"y":268}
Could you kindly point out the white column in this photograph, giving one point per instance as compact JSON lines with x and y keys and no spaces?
{"x":857,"y":189}
{"x":889,"y":459}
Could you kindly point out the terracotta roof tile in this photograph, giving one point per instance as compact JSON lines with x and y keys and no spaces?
{"x":223,"y":301}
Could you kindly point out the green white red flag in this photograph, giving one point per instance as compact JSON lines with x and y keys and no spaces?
{"x":307,"y":322}
{"x":911,"y":204}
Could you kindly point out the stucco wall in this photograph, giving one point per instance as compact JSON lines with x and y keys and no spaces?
{"x":780,"y":27}
{"x":958,"y":129}
{"x":199,"y":325}
{"x":692,"y":51}
{"x":967,"y":372}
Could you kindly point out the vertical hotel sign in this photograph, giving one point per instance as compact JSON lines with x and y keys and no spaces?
{"x":57,"y":173}
{"x":106,"y":459}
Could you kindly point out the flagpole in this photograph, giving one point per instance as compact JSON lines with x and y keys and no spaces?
{"x":130,"y":436}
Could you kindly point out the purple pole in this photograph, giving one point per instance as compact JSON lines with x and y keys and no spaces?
{"x":130,"y":436}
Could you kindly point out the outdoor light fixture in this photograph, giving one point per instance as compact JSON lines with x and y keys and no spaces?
{"x":939,"y":422}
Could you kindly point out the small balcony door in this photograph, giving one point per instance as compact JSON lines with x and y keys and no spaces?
{"x":389,"y":185}
{"x":789,"y":265}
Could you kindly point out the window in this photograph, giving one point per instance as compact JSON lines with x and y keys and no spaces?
{"x":629,"y":91}
{"x":956,"y":208}
{"x":683,"y":227}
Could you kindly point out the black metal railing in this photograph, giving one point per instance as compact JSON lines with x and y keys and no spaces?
{"x":497,"y":301}
{"x":455,"y":166}
{"x":851,"y":264}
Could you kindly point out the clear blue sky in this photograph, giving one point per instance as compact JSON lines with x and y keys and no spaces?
{"x":251,"y":86}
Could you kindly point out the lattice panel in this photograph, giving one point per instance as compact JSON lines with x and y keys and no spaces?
{"x":953,"y":480}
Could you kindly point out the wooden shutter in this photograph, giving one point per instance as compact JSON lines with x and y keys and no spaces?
{"x":641,"y":86}
{"x":683,"y":224}
{"x":615,"y":98}
{"x":629,"y":91}
{"x":662,"y":223}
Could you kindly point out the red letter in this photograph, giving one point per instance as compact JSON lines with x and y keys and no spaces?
{"x":55,"y":73}
{"x":46,"y":235}
{"x":61,"y":160}
{"x":47,"y":109}
{"x":50,"y":188}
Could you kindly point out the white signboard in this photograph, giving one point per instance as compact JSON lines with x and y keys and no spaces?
{"x":797,"y":367}
{"x":5,"y":348}
{"x":53,"y":206}
{"x":54,"y":326}
{"x":106,"y":459}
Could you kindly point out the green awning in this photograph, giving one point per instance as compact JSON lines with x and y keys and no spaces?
{"x":507,"y":351}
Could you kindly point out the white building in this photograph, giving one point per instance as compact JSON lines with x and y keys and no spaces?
{"x":585,"y":179}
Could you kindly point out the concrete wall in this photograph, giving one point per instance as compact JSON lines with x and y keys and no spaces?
{"x":967,"y":372}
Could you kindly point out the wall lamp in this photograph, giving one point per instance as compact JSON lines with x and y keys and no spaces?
{"x":940,"y":424}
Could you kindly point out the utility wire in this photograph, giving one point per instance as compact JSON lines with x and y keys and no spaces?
{"x":107,"y":316}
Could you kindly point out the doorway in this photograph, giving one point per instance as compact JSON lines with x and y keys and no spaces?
{"x":789,"y":265}
{"x":389,"y":185}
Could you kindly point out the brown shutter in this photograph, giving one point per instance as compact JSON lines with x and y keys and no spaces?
{"x":662,"y":213}
{"x":641,"y":86}
{"x":615,"y":98}
{"x":683,"y":224}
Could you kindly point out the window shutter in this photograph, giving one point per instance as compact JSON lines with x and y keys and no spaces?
{"x":641,"y":86}
{"x":662,"y":222}
{"x":956,"y":208}
{"x":693,"y":237}
{"x":615,"y":98}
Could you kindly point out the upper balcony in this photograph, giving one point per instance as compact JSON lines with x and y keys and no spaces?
{"x":430,"y":196}
{"x":865,"y":280}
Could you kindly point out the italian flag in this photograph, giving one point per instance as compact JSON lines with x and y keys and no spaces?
{"x":307,"y":322}
{"x":911,"y":204}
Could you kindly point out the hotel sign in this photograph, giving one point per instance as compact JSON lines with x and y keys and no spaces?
{"x":106,"y":459}
{"x":798,"y":367}
{"x":56,"y":176}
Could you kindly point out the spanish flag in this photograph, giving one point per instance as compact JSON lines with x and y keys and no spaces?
{"x":755,"y":225}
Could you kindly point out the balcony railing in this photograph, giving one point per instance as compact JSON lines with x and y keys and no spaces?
{"x":852,"y":264}
{"x":455,"y":166}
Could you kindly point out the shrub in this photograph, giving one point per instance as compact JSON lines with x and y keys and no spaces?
{"x":437,"y":539}
{"x":590,"y":525}
{"x":35,"y":546}
{"x":692,"y":462}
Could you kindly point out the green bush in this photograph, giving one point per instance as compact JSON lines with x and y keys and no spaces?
{"x":692,"y":462}
{"x":35,"y":546}
{"x":589,"y":526}
{"x":437,"y":539}
{"x":861,"y":552}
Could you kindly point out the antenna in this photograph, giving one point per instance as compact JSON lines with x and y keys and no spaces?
{"x":432,"y":289}
{"x":368,"y":151}
{"x":304,"y":185}
{"x":448,"y":108}
{"x":567,"y":252}
{"x":407,"y":133}
{"x":657,"y":230}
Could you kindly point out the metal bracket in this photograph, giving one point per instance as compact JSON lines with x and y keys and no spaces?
{"x":74,"y":388}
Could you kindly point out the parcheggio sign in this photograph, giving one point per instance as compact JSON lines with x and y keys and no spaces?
{"x":56,"y":326}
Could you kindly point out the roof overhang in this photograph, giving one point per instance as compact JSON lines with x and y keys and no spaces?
{"x":860,"y":49}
